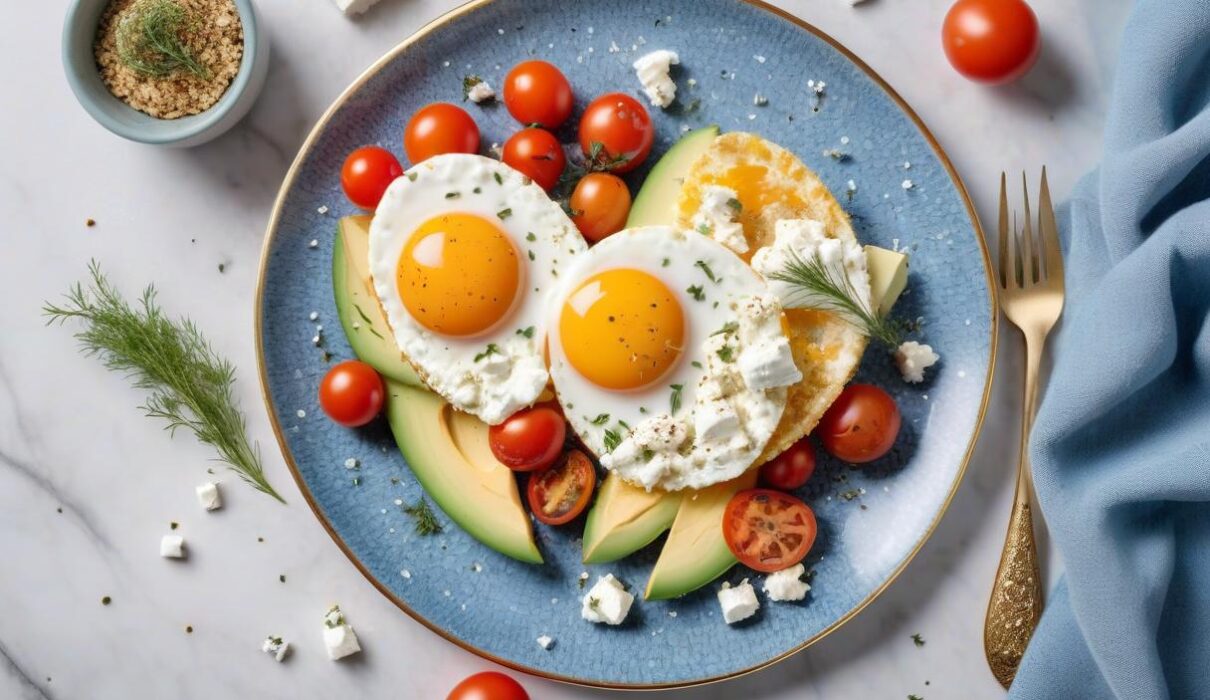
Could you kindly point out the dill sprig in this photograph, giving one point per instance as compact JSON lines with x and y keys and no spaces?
{"x":149,"y":39}
{"x":816,"y":286}
{"x":190,"y":385}
{"x":426,"y":519}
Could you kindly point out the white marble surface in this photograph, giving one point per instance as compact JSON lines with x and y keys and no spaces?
{"x":71,"y":437}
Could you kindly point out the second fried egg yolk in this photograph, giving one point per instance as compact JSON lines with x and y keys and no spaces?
{"x":458,"y":274}
{"x":622,"y":329}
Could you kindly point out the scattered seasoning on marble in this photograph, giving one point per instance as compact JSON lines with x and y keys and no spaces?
{"x":260,"y":539}
{"x":106,"y":600}
{"x":917,"y":640}
{"x":173,"y":525}
{"x":188,"y":629}
{"x":281,"y":577}
{"x":90,"y":222}
{"x":59,"y":509}
{"x":222,"y":268}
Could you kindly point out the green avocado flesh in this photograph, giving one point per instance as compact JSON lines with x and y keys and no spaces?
{"x":625,"y":519}
{"x":655,"y":205}
{"x":357,"y":306}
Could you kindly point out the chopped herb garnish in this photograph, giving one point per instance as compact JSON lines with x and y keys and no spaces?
{"x":469,"y":82}
{"x":412,"y":176}
{"x":623,"y":424}
{"x":705,"y":267}
{"x":499,"y":180}
{"x":426,"y":519}
{"x":675,"y":400}
{"x":642,"y":409}
{"x":453,"y":195}
{"x":531,"y":237}
{"x":531,"y":255}
{"x":281,"y":577}
{"x":648,"y":455}
{"x":601,"y":419}
{"x":174,"y":525}
{"x":504,"y":213}
{"x":612,"y":440}
{"x":697,"y":293}
{"x":594,"y":603}
{"x":693,"y":105}
{"x":728,"y":328}
{"x":914,"y":697}
{"x":491,"y":350}
{"x":735,"y":204}
{"x":106,"y":600}
{"x":918,"y":640}
{"x":726,"y":353}
{"x":477,"y":190}
{"x":527,"y":332}
{"x":696,"y":364}
{"x":705,"y":229}
{"x":664,"y":262}
{"x":815,"y":286}
{"x":850,"y":495}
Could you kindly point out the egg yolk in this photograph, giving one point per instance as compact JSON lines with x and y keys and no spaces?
{"x":458,"y":275}
{"x":622,"y":329}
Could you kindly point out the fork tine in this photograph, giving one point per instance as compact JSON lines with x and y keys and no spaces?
{"x":1028,"y":272}
{"x":1012,"y":279}
{"x":1050,"y":233}
{"x":1005,"y":270}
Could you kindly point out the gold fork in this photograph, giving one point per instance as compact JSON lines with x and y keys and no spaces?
{"x":1031,"y":295}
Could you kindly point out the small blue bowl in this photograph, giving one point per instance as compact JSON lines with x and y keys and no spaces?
{"x":79,"y":36}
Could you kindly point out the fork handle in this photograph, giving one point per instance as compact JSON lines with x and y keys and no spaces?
{"x":1016,"y":599}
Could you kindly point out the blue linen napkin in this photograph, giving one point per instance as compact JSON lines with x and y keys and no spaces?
{"x":1121,"y":447}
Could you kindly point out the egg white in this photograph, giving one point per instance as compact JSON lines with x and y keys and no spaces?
{"x":497,"y":385}
{"x":643,"y":417}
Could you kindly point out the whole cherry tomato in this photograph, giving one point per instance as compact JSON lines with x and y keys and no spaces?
{"x":599,"y":205}
{"x":991,"y":41}
{"x":367,"y":173}
{"x":536,"y":153}
{"x":489,"y":685}
{"x":440,"y":128}
{"x":352,"y":393}
{"x":535,"y":92}
{"x":529,"y":439}
{"x":616,"y":132}
{"x":790,"y":469}
{"x":861,"y":425}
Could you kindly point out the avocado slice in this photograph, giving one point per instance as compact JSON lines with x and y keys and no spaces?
{"x":449,"y":454}
{"x":695,"y":553}
{"x":655,"y":205}
{"x":357,"y":306}
{"x":624,"y":519}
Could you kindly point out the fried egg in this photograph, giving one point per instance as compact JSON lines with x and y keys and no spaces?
{"x":770,"y":184}
{"x":669,"y":357}
{"x":463,"y":253}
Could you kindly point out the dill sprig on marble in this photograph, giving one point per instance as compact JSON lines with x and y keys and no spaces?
{"x":150,"y":39}
{"x":190,"y":385}
{"x":817,"y":287}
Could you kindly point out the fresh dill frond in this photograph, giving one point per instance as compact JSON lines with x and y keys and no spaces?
{"x":149,"y":39}
{"x":190,"y":385}
{"x":612,"y":440}
{"x":426,"y":519}
{"x":675,"y":400}
{"x":815,"y":286}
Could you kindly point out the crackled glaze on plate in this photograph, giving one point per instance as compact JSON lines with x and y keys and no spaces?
{"x":871,"y":520}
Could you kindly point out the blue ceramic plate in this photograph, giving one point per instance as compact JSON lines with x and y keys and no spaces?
{"x":871,"y":521}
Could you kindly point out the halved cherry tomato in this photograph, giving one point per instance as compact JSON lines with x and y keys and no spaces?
{"x":992,"y":41}
{"x":529,"y":439}
{"x":768,"y":530}
{"x":790,"y":469}
{"x":536,"y":153}
{"x":489,"y":685}
{"x":861,"y":425}
{"x":600,"y":204}
{"x":366,"y":174}
{"x":622,"y":127}
{"x":351,"y":393}
{"x":535,"y":92}
{"x":557,"y":495}
{"x":439,"y":128}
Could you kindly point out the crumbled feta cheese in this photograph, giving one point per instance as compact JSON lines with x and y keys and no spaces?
{"x":769,"y":364}
{"x":300,"y":413}
{"x":339,"y":638}
{"x":314,"y":316}
{"x":852,"y":186}
{"x":907,"y":184}
{"x":546,"y":641}
{"x":652,"y":70}
{"x":354,"y":7}
{"x":275,"y":647}
{"x":787,"y":584}
{"x":759,"y":58}
{"x":718,"y":217}
{"x":738,"y":602}
{"x":817,"y":86}
{"x":844,"y":140}
{"x":405,"y":574}
{"x":352,"y":463}
{"x":172,"y":547}
{"x":607,"y":601}
{"x":913,"y":358}
{"x":804,"y":239}
{"x":760,"y":100}
{"x":314,"y":243}
{"x":614,"y":48}
{"x":209,"y":497}
{"x":907,"y":165}
{"x":480,"y":92}
{"x":715,"y":419}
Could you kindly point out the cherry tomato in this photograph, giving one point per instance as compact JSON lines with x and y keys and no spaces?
{"x":536,"y":153}
{"x":489,"y":685}
{"x":861,"y":425}
{"x":600,"y":204}
{"x":768,"y":530}
{"x":440,"y":128}
{"x":991,"y":41}
{"x":351,"y":393}
{"x":535,"y":92}
{"x":529,"y":439}
{"x":557,"y":495}
{"x":622,"y":127}
{"x":790,"y":469}
{"x":366,"y":174}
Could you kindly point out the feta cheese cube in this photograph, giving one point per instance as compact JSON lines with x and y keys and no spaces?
{"x":480,"y":92}
{"x":275,"y":647}
{"x":913,"y":358}
{"x":172,"y":547}
{"x":714,"y":420}
{"x":718,"y":217}
{"x":607,"y":601}
{"x":209,"y":497}
{"x":787,"y":584}
{"x":340,"y":641}
{"x":354,"y":7}
{"x":769,"y":364}
{"x":546,"y":641}
{"x":738,"y":602}
{"x":652,"y":70}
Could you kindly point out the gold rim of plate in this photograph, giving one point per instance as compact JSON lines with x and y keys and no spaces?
{"x":272,"y":230}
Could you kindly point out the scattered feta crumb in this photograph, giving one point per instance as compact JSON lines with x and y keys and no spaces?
{"x":352,"y":463}
{"x":446,"y":64}
{"x":546,"y":642}
{"x":907,"y":165}
{"x":500,"y":31}
{"x":760,"y":100}
{"x":759,"y":58}
{"x":314,"y":243}
{"x":739,"y":602}
{"x":692,"y":82}
{"x":480,"y":91}
{"x":300,"y":413}
{"x":607,"y":601}
{"x":652,"y":70}
{"x":354,"y":7}
{"x":913,"y":358}
{"x":398,"y":501}
{"x":322,"y":210}
{"x":275,"y":647}
{"x":209,"y":497}
{"x":614,"y":48}
{"x":787,"y":584}
{"x":751,"y":117}
{"x":844,"y":140}
{"x":405,"y":574}
{"x":817,"y":86}
{"x":852,"y":186}
{"x":908,"y":184}
{"x":671,"y":613}
{"x":314,"y":316}
{"x":172,"y":547}
{"x":339,"y":638}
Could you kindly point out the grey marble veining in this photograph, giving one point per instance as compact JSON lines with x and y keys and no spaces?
{"x":72,"y":438}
